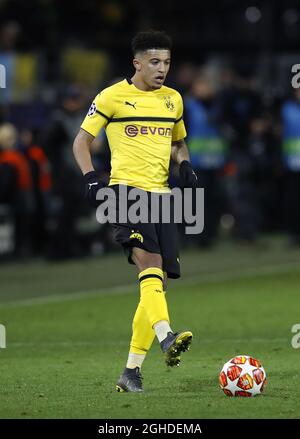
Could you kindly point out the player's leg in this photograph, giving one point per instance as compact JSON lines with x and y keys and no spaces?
{"x":143,"y":333}
{"x":152,"y":295}
{"x":151,"y":317}
{"x":141,"y":341}
{"x":153,"y":299}
{"x":143,"y":249}
{"x":142,"y":338}
{"x":139,"y":237}
{"x":175,"y":343}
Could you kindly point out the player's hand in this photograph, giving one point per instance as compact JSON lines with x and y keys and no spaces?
{"x":92,"y":184}
{"x":187,"y":175}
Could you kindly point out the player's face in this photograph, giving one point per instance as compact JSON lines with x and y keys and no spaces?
{"x":153,"y":66}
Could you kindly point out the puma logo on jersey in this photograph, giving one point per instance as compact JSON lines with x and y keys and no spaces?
{"x":132,"y":105}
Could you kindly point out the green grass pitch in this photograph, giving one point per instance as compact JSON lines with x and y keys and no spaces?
{"x":68,"y":327}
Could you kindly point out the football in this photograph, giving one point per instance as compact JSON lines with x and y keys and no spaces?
{"x":242,"y":376}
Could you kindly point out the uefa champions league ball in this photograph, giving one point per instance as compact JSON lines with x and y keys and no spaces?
{"x":242,"y":376}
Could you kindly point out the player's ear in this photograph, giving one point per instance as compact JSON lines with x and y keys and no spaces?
{"x":137,"y":64}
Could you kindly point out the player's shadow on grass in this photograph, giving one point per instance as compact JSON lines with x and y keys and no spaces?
{"x":193,"y":385}
{"x":196,"y":386}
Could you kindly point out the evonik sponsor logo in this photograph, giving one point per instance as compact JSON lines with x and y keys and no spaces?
{"x":134,"y":130}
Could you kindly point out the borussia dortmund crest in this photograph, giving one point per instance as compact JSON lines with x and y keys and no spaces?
{"x":136,"y":235}
{"x":169,"y":104}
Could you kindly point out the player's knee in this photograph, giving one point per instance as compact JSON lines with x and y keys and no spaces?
{"x":144,"y":259}
{"x":151,"y":260}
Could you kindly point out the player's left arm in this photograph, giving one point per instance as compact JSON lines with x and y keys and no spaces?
{"x":180,"y":155}
{"x":179,"y":151}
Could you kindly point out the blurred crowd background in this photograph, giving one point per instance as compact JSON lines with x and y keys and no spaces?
{"x":232,"y":63}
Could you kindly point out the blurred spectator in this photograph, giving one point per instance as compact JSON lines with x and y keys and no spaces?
{"x":239,"y":115}
{"x":184,"y":76}
{"x":67,"y":179}
{"x":265,"y":157}
{"x":291,"y":158}
{"x":251,"y":177}
{"x":208,"y":151}
{"x":16,"y":188}
{"x":238,"y":100}
{"x":42,"y":185}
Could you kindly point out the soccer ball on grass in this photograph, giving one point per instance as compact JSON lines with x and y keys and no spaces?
{"x":242,"y":376}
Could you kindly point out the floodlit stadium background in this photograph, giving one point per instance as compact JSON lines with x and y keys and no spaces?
{"x":232,"y":61}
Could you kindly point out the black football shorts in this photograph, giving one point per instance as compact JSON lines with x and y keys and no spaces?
{"x":154,"y":237}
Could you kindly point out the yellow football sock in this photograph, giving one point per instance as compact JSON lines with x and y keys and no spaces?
{"x":142,"y":332}
{"x":152,"y":295}
{"x":151,"y":309}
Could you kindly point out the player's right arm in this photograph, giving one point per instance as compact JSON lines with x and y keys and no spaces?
{"x":97,"y":118}
{"x":99,"y":114}
{"x":82,"y":151}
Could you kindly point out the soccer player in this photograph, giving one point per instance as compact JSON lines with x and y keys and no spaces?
{"x":145,"y":129}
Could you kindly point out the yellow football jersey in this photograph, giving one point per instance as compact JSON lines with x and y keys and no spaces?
{"x":140,"y":127}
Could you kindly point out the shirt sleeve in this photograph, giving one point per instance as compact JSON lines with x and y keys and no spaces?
{"x":99,"y":114}
{"x":179,"y":131}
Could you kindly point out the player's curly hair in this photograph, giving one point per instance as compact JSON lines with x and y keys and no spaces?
{"x":151,"y":39}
